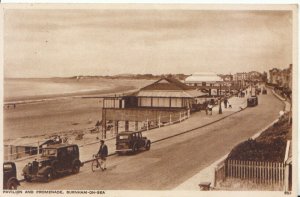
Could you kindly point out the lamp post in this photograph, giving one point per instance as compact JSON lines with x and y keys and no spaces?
{"x":220,"y":101}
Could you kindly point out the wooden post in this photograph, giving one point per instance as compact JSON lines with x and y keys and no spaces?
{"x":159,"y":121}
{"x":179,"y":116}
{"x":136,"y":125}
{"x":116,"y":127}
{"x":126,"y":125}
{"x":268,"y":172}
{"x":38,"y":148}
{"x":170,"y":118}
{"x":228,"y":168}
{"x":234,"y":169}
{"x":147,"y":124}
{"x":282,"y":174}
{"x":254,"y":171}
{"x":215,"y":178}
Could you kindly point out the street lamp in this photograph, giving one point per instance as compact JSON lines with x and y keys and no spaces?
{"x":220,"y":101}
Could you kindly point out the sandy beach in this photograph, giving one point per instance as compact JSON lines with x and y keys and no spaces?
{"x":59,"y":111}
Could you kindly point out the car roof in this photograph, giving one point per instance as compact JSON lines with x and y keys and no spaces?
{"x":8,"y":162}
{"x":60,"y":145}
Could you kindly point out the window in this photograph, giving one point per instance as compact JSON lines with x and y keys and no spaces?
{"x":70,"y":150}
{"x":7,"y":167}
{"x":123,"y":137}
{"x":49,"y":152}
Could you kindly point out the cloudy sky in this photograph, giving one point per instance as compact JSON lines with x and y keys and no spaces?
{"x":47,"y":43}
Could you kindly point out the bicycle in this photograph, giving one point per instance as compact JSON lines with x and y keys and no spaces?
{"x":96,"y":165}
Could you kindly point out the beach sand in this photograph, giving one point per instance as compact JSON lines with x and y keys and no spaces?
{"x":66,"y":113}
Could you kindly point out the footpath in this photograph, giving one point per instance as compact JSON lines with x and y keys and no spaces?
{"x":196,"y":120}
{"x":207,"y":174}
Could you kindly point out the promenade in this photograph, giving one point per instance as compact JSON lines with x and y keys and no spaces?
{"x":196,"y":120}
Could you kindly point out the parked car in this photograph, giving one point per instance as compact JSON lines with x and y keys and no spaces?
{"x":264,"y":91}
{"x":55,"y":159}
{"x":252,"y":101}
{"x":131,"y":142}
{"x":10,"y":180}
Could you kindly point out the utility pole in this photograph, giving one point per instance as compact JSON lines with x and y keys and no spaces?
{"x":220,"y":100}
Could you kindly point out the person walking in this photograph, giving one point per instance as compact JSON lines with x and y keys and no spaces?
{"x":225,"y":102}
{"x":210,"y":108}
{"x":102,"y":153}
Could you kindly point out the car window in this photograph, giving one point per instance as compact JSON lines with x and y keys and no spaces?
{"x":123,"y":137}
{"x":7,"y":167}
{"x":134,"y":136}
{"x":49,"y":152}
{"x":62,"y":153}
{"x":70,"y":150}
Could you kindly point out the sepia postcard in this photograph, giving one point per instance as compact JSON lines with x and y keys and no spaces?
{"x":149,"y":99}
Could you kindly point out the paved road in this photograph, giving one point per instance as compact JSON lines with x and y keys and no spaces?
{"x":171,"y":162}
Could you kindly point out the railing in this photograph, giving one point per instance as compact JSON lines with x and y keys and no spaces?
{"x":258,"y":172}
{"x":14,"y":152}
{"x":220,"y":173}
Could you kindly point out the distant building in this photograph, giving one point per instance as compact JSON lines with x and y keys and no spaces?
{"x":203,"y":79}
{"x":241,"y":76}
{"x":227,"y":78}
{"x":241,"y":79}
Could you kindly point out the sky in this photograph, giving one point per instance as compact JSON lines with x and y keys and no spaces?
{"x":59,"y":43}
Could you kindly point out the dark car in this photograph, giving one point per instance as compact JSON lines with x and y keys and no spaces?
{"x":10,"y":180}
{"x":252,"y":101}
{"x":55,"y":159}
{"x":131,"y":142}
{"x":264,"y":91}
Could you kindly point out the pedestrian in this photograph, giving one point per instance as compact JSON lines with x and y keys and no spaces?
{"x":210,"y":108}
{"x":102,"y":153}
{"x":225,"y":102}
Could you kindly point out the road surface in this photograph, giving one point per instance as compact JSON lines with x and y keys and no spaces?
{"x":171,"y":162}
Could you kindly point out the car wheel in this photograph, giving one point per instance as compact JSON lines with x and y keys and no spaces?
{"x":76,"y":168}
{"x":12,"y":185}
{"x":49,"y":175}
{"x":148,"y":145}
{"x":27,"y":178}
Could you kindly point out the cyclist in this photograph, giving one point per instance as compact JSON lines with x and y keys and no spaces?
{"x":102,"y":153}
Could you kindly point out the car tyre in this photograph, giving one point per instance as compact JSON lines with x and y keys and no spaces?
{"x":134,"y":149}
{"x":49,"y":175}
{"x":76,"y":168}
{"x":27,"y":178}
{"x":13,"y":185}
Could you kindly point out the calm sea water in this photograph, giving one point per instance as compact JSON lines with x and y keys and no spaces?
{"x":25,"y":89}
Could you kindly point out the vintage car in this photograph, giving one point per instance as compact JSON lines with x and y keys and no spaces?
{"x":55,"y":159}
{"x":131,"y":142}
{"x":10,"y":180}
{"x":264,"y":91}
{"x":252,"y":101}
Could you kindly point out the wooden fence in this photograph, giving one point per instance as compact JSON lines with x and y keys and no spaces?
{"x":258,"y":172}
